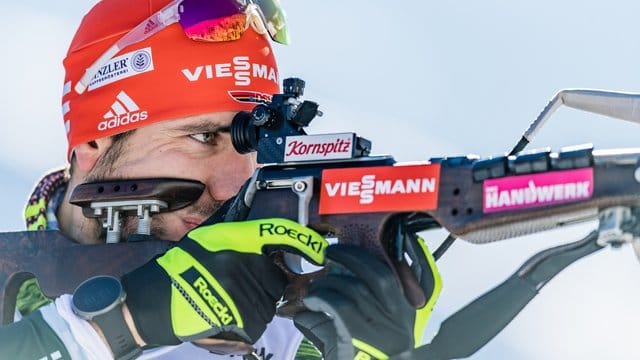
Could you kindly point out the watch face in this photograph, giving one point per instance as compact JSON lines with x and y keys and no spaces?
{"x":97,"y":295}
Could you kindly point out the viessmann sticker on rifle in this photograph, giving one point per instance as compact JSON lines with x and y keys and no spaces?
{"x":376,"y":189}
{"x":526,"y":191}
{"x":319,"y":147}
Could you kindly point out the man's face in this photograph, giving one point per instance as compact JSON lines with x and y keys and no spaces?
{"x":197,"y":148}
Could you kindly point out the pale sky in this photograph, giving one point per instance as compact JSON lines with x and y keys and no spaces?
{"x":421,"y":80}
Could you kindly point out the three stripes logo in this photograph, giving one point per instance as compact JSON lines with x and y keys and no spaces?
{"x":123,"y":111}
{"x":150,"y":26}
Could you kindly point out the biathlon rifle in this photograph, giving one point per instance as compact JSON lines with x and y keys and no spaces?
{"x":331,"y":183}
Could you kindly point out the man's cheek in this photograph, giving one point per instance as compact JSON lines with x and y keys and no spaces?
{"x":167,"y":227}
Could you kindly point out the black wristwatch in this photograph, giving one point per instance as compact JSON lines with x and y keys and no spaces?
{"x":99,"y":299}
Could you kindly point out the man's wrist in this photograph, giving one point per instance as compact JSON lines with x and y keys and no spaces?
{"x":132,"y":326}
{"x":101,"y":300}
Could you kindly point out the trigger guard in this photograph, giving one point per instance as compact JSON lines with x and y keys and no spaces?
{"x":410,"y":276}
{"x":410,"y":244}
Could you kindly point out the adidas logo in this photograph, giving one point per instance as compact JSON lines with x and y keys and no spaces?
{"x":123,"y":111}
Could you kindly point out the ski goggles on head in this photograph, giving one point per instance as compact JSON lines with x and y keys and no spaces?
{"x":201,"y":20}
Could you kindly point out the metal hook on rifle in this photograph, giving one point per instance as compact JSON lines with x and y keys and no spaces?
{"x":620,"y":225}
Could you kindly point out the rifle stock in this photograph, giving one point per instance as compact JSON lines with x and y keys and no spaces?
{"x":61,"y":264}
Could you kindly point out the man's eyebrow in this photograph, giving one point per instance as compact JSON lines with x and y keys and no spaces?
{"x":203,"y":127}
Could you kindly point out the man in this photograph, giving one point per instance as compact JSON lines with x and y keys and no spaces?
{"x":146,"y":97}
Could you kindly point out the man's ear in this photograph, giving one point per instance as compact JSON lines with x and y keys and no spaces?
{"x":87,"y":154}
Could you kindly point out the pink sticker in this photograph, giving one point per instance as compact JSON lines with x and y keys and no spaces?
{"x":533,"y":190}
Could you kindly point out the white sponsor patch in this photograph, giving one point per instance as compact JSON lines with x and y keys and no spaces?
{"x":122,"y":67}
{"x":319,"y":147}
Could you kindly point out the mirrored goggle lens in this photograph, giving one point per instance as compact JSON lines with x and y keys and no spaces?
{"x":225,"y":20}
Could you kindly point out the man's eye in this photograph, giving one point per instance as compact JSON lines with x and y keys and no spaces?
{"x":204,"y":137}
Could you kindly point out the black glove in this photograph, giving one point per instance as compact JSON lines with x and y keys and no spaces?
{"x":217,"y":281}
{"x":361,"y":312}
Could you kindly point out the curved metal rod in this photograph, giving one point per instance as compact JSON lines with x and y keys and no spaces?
{"x":618,"y":105}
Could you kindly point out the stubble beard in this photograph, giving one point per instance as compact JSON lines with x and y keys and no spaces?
{"x":106,"y":170}
{"x":159,"y":228}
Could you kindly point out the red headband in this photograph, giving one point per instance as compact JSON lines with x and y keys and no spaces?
{"x":165,"y":77}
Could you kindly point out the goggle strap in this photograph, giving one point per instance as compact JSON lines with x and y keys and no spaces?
{"x":166,"y":16}
{"x":92,"y":70}
{"x":169,"y":14}
{"x":154,"y":23}
{"x":253,"y":15}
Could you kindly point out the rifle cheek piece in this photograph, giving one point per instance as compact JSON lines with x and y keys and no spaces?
{"x":108,"y":200}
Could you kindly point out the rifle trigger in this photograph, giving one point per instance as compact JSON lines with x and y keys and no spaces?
{"x":399,"y":241}
{"x":403,"y":254}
